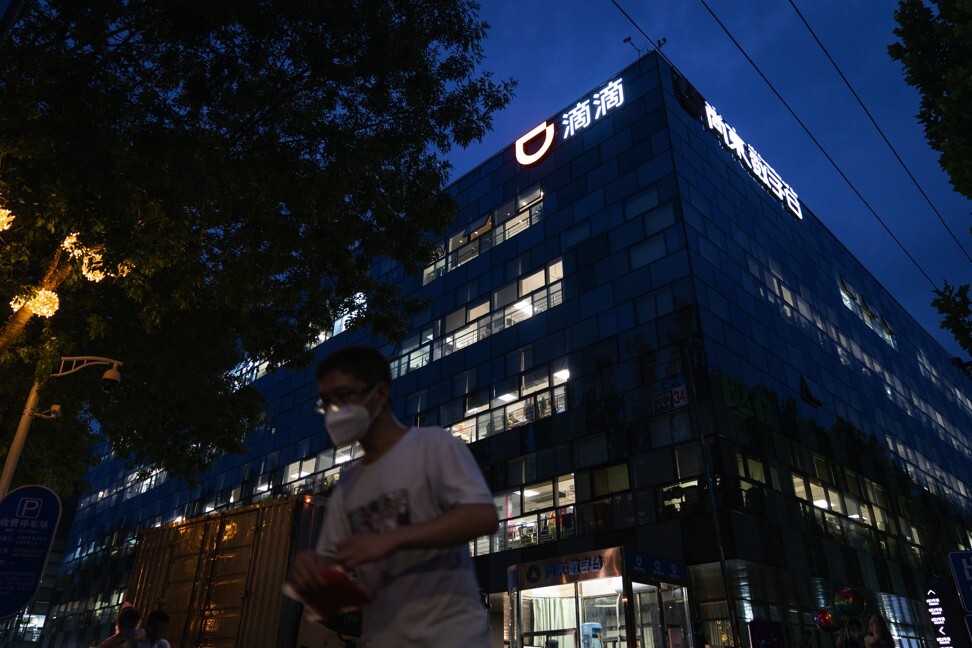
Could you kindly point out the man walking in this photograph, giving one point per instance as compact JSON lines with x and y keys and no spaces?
{"x":401,"y":518}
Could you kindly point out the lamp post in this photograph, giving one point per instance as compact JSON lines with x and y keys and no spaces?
{"x":69,"y":365}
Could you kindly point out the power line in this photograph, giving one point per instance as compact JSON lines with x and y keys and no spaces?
{"x":817,"y":143}
{"x":656,"y":45}
{"x":881,"y":132}
{"x":798,"y":120}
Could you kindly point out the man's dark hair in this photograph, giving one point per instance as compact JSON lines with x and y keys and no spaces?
{"x":156,"y":617}
{"x":128,"y":618}
{"x":364,"y":363}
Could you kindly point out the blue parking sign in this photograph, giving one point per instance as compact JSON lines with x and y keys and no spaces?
{"x":28,"y":522}
{"x":962,"y":572}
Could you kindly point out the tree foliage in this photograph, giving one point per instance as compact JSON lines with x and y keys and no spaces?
{"x":935,"y":48}
{"x":955,"y":305}
{"x":234,"y":170}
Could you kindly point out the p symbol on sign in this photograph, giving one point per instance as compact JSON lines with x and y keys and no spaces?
{"x":29,"y":507}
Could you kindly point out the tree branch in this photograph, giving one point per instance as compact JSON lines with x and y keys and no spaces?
{"x":54,"y":277}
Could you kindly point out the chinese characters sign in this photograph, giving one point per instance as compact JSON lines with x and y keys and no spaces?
{"x":576,"y":119}
{"x":944,"y":608}
{"x":574,"y":567}
{"x":752,"y":160}
{"x":937,"y":614}
{"x":28,"y":522}
{"x":605,"y":563}
{"x":669,"y":399}
{"x":579,"y":117}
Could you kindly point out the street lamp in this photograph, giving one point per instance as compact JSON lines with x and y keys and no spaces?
{"x":69,"y":365}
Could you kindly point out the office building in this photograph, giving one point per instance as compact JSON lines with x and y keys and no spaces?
{"x":649,"y":342}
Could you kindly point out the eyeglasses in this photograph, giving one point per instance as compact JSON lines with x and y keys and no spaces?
{"x":339,"y":397}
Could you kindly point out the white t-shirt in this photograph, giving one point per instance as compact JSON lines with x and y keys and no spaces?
{"x":420,"y":597}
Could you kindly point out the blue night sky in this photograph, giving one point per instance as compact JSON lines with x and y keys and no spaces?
{"x":558,"y":50}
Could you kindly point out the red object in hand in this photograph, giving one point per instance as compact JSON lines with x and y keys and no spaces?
{"x":342,"y":592}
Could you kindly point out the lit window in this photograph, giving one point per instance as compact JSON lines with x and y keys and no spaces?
{"x":454,"y":320}
{"x":531,"y":283}
{"x":479,"y":310}
{"x":528,"y":197}
{"x":486,"y":231}
{"x":800,"y":488}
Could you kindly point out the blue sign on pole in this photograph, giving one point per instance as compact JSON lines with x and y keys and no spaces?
{"x":962,"y":572}
{"x":28,"y":522}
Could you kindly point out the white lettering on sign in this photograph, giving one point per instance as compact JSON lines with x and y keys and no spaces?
{"x":937,"y":618}
{"x":575,"y":119}
{"x":527,"y":159}
{"x":752,"y":160}
{"x":579,"y":117}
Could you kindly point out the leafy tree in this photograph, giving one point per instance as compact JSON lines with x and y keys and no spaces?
{"x":954,"y":303}
{"x":204,"y":183}
{"x":936,"y":50}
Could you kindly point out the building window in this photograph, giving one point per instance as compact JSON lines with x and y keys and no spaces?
{"x":857,"y":305}
{"x":485,"y":232}
{"x":513,"y":303}
{"x":534,"y":514}
{"x":514,"y":402}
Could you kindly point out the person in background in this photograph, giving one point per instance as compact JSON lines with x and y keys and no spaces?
{"x":878,"y":634}
{"x":852,"y":636}
{"x":806,"y":640}
{"x":127,"y":634}
{"x":414,"y":563}
{"x":155,"y":626}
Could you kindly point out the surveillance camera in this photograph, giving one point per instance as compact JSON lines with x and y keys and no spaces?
{"x":55,"y":411}
{"x":110,"y":379}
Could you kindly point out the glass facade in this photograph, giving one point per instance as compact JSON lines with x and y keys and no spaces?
{"x":645,"y":348}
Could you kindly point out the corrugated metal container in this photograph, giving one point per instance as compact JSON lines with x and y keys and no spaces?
{"x":220,"y":576}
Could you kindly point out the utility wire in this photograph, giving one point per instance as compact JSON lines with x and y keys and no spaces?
{"x":819,"y":145}
{"x":648,"y":38}
{"x":798,"y":120}
{"x":881,"y":132}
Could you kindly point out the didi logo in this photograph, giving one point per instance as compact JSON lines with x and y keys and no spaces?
{"x":531,"y":138}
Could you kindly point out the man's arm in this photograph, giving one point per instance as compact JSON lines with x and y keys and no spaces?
{"x":454,"y":527}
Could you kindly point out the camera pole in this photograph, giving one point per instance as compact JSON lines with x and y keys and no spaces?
{"x":69,"y":365}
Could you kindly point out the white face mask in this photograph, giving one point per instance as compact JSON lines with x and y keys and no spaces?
{"x":349,"y":422}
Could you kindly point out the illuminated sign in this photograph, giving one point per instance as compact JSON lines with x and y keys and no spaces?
{"x":752,"y":160}
{"x":575,"y":119}
{"x":527,"y":159}
{"x":946,"y":614}
{"x":937,"y":615}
